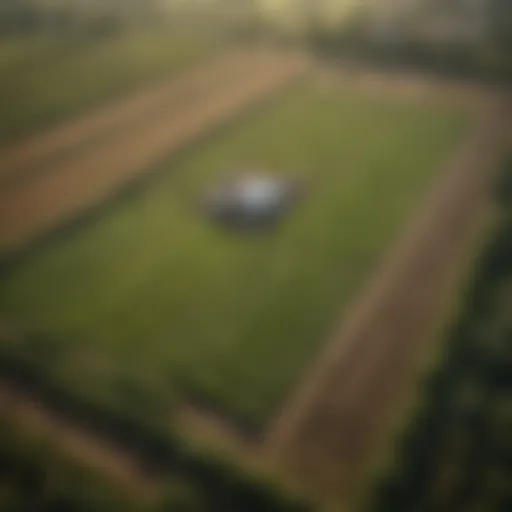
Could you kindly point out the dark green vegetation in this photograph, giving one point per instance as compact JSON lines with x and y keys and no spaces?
{"x":151,"y":303}
{"x":457,"y":453}
{"x":463,"y":38}
{"x":44,"y":77}
{"x":37,"y":474}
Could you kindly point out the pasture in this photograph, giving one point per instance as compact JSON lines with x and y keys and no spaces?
{"x":150,"y":303}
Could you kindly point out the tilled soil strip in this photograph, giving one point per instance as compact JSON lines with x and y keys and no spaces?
{"x":43,"y":148}
{"x":29,"y":211}
{"x":331,"y":422}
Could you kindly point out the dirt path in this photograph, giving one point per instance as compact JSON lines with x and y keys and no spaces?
{"x":39,"y":420}
{"x":332,"y":421}
{"x":37,"y":205}
{"x":45,"y":147}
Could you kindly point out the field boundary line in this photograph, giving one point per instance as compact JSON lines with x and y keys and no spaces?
{"x":74,"y":188}
{"x":42,"y":149}
{"x":372,"y":324}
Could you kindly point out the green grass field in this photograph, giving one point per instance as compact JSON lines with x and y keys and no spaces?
{"x":151,"y":301}
{"x":44,"y":79}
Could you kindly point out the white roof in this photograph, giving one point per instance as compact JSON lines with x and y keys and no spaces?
{"x":260,"y":192}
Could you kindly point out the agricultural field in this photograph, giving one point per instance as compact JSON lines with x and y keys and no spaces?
{"x":59,"y":173}
{"x":46,"y":78}
{"x":151,"y":305}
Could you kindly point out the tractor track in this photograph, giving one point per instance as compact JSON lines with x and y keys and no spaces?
{"x":46,"y":147}
{"x":42,"y":202}
{"x":332,"y":421}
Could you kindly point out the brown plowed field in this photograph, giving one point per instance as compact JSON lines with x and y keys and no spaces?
{"x":33,"y":206}
{"x":332,"y":421}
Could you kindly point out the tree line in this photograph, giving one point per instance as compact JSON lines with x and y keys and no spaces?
{"x":71,"y":16}
{"x":463,"y":38}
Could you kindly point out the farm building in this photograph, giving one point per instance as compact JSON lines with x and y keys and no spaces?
{"x":251,"y":199}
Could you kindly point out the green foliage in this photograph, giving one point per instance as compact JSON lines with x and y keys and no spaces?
{"x":35,"y":475}
{"x":504,"y":188}
{"x":457,"y":454}
{"x":452,"y":38}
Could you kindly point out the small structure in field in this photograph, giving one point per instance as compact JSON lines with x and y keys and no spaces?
{"x":252,"y":199}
